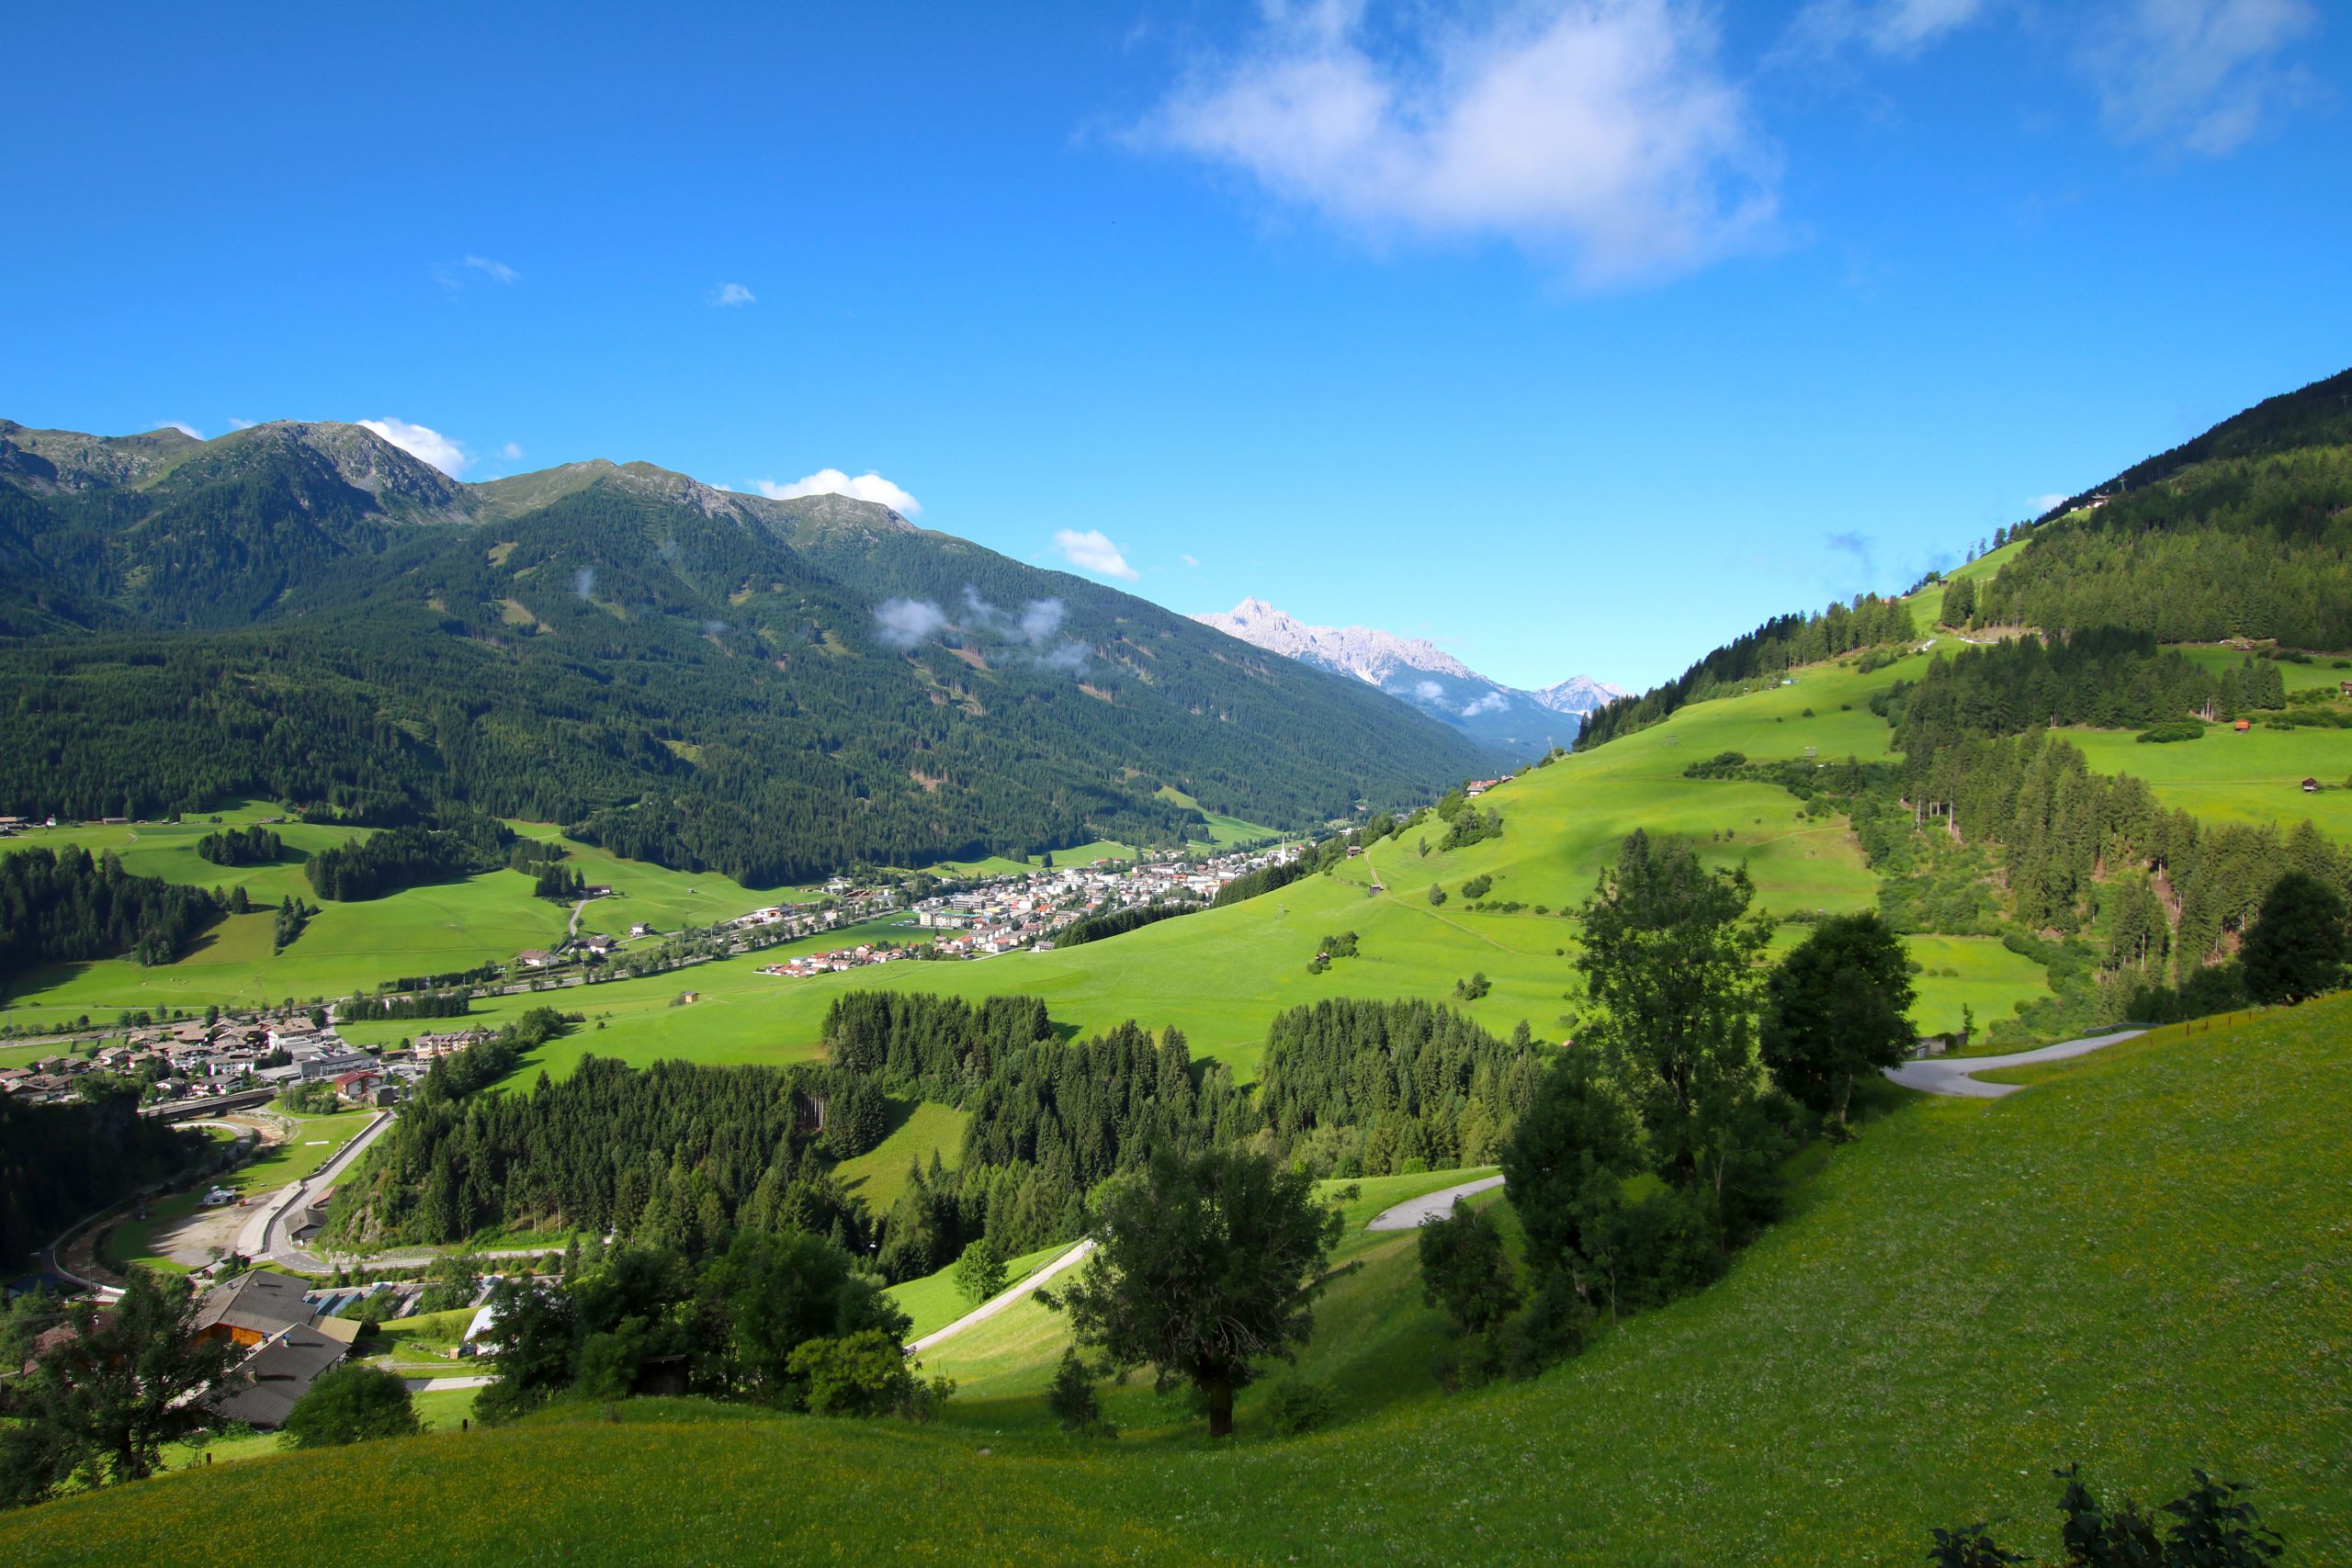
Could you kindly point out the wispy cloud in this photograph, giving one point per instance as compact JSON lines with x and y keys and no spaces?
{"x":182,"y":426}
{"x":730,"y":294}
{"x":867,"y":485}
{"x":454,"y":276}
{"x":423,"y":442}
{"x":236,"y":423}
{"x":1598,"y":134}
{"x":1094,"y":551}
{"x":903,"y":623}
{"x":511,"y":451}
{"x":1900,"y":28}
{"x":2204,"y":74}
{"x":2036,"y":505}
{"x":1188,"y":561}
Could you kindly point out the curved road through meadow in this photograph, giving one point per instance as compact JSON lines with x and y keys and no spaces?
{"x":1955,"y":1075}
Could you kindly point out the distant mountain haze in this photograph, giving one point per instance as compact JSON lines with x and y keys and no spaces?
{"x":1422,"y":675}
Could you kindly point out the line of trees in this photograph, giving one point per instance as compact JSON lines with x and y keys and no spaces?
{"x":63,"y":906}
{"x":240,"y":846}
{"x":2108,"y":678}
{"x":1367,"y":1089}
{"x":1118,"y":922}
{"x":59,"y":1162}
{"x":1782,"y":643}
{"x":406,"y":856}
{"x":778,"y":1317}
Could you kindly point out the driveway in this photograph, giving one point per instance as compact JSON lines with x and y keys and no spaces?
{"x":1954,"y":1074}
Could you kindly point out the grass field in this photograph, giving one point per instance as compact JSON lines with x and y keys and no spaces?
{"x":1375,"y":1343}
{"x":2141,"y":1264}
{"x":923,"y":1129}
{"x":933,"y":1302}
{"x":2228,"y":777}
{"x":1222,"y":974}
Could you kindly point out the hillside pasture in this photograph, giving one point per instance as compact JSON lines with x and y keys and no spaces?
{"x":2140,"y":1264}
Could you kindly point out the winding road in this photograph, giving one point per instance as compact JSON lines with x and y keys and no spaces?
{"x":997,"y":1303}
{"x":1409,"y":1214}
{"x":1955,"y":1075}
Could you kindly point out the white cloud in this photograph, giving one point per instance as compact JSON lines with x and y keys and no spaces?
{"x":182,"y":426}
{"x":867,"y":485}
{"x":1092,"y":551}
{"x":443,"y":452}
{"x":2203,"y":74}
{"x":1041,"y":618}
{"x":236,"y":423}
{"x":1428,"y":691}
{"x":1599,"y":133}
{"x":511,"y":451}
{"x":902,"y":623}
{"x":1493,"y":701}
{"x":1888,"y":27}
{"x":496,"y":271}
{"x":1188,"y":561}
{"x":730,"y":294}
{"x":2037,"y":506}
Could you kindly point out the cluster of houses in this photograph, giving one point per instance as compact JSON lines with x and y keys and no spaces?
{"x":199,"y":1061}
{"x":289,"y":1343}
{"x":1024,"y":911}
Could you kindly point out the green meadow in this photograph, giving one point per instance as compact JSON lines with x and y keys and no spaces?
{"x":2253,"y":777}
{"x":923,"y":1129}
{"x":2140,"y":1264}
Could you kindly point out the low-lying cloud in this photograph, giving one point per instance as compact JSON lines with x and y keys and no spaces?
{"x":867,"y":485}
{"x":1028,"y":634}
{"x":903,"y":623}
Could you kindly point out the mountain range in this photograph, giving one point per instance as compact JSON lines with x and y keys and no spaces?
{"x":1419,"y":672}
{"x":305,"y":612}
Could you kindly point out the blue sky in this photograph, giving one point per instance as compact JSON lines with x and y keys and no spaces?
{"x":1577,"y":336}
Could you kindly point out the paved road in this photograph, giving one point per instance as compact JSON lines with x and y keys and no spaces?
{"x":995,"y":1304}
{"x":260,"y":1241}
{"x":1954,"y":1074}
{"x":1409,"y":1214}
{"x":436,"y":1385}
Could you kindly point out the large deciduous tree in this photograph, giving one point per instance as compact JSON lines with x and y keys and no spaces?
{"x":1670,"y":952}
{"x":1205,"y":1265}
{"x":102,"y":1404}
{"x":1837,"y":1006}
{"x":1465,"y":1271}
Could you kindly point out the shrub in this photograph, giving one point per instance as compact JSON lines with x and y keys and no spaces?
{"x":1477,"y":886}
{"x":2166,"y":734}
{"x":1298,"y":1406}
{"x":1072,"y":1398}
{"x":351,"y":1404}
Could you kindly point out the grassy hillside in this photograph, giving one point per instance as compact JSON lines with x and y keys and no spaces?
{"x":2141,"y":1264}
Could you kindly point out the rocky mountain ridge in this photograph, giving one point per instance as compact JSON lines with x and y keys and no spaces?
{"x":1419,"y":673}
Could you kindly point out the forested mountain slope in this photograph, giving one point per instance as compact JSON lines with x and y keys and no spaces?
{"x":2246,"y":531}
{"x":774,"y":689}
